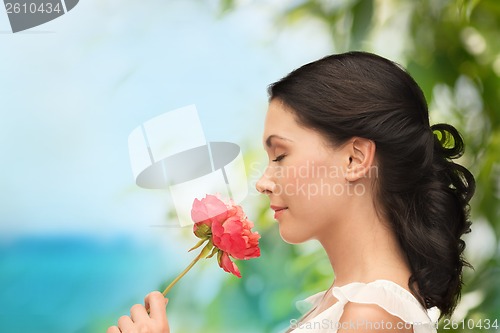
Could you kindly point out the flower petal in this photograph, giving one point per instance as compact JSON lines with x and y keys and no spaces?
{"x":228,"y":265}
{"x":208,"y":209}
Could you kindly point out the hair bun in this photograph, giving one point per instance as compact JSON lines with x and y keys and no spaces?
{"x":448,"y":139}
{"x":449,"y":142}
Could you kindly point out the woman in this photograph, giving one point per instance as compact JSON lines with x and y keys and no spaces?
{"x":355,"y":165}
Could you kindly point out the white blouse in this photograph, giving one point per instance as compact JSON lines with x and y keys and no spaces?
{"x":388,"y":295}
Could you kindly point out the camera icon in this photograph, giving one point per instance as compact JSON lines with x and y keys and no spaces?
{"x":28,"y":14}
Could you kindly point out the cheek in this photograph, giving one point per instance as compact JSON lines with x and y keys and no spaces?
{"x":315,"y":180}
{"x":316,"y":193}
{"x":322,"y":191}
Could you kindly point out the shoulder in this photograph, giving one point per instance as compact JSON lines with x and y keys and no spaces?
{"x":371,"y":318}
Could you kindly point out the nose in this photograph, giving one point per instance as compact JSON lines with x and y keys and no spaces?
{"x":265,"y":185}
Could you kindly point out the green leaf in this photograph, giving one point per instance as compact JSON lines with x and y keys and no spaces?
{"x":200,"y":243}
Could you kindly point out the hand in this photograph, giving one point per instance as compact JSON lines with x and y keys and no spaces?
{"x":140,"y":321}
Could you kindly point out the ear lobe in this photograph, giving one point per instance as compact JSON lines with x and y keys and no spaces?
{"x":362,"y":153}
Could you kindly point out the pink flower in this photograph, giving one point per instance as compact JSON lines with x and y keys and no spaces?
{"x":204,"y":212}
{"x":208,"y":209}
{"x":227,"y":226}
{"x":224,"y":230}
{"x":235,"y":237}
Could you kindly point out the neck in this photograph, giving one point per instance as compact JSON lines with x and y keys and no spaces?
{"x":362,"y":248}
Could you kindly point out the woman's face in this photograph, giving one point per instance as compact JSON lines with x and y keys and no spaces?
{"x":304,"y":179}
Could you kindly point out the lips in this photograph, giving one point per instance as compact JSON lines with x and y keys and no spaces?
{"x":278,"y":210}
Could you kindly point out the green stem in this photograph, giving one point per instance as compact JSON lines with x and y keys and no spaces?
{"x":206,"y":250}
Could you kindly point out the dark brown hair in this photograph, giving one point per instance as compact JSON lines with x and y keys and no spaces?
{"x":422,"y":193}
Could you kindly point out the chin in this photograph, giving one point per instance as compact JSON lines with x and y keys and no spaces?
{"x":292,"y":236}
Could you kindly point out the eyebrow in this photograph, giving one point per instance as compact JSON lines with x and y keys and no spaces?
{"x":274,"y":136}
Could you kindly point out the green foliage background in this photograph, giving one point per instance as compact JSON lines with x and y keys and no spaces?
{"x":452,"y":48}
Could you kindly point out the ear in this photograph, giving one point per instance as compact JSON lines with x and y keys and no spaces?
{"x":361,"y":158}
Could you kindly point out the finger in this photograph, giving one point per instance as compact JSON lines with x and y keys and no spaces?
{"x":156,"y":303}
{"x":125,"y":324}
{"x":113,"y":329}
{"x":138,"y":313}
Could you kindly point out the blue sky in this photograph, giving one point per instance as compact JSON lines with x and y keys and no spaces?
{"x":73,"y":89}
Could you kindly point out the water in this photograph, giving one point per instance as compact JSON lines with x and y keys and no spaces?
{"x":73,"y":284}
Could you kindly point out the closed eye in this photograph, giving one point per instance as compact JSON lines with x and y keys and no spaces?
{"x":279,"y":158}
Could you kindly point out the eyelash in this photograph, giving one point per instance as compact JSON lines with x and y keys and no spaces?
{"x":279,"y":158}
